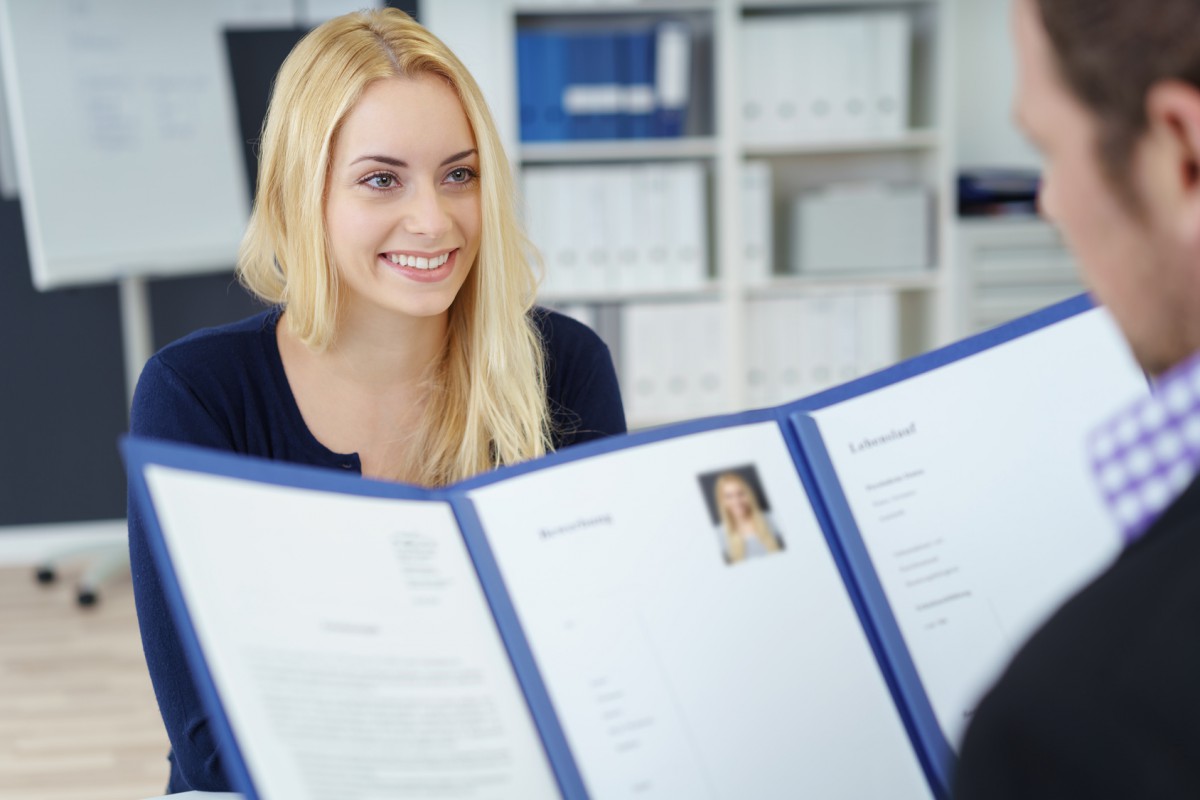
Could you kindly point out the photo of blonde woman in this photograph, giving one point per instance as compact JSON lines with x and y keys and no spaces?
{"x":742,"y":518}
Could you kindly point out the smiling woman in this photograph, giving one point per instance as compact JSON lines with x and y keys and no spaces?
{"x":416,"y":268}
{"x":401,"y":339}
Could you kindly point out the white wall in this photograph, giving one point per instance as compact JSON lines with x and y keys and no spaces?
{"x":984,"y":79}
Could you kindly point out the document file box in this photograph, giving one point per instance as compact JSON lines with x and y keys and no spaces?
{"x":861,"y":228}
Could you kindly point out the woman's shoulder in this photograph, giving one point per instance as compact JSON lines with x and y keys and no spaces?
{"x":574,"y":353}
{"x":581,"y":382}
{"x":226,"y":387}
{"x":215,"y":368}
{"x":213,"y":346}
{"x":563,"y":334}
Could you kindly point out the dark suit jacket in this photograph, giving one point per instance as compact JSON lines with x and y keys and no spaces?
{"x":1104,"y":700}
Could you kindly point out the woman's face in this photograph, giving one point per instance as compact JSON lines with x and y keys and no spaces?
{"x":736,"y":499}
{"x":402,"y":208}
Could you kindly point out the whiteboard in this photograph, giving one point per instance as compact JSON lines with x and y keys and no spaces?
{"x":313,"y":12}
{"x":8,"y":164}
{"x":125,"y":136}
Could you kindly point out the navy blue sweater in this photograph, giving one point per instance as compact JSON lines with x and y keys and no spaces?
{"x":225,"y":388}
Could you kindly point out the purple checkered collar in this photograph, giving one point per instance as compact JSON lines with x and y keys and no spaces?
{"x":1147,"y":455}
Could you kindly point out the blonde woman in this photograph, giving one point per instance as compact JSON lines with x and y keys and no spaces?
{"x":401,"y":341}
{"x":746,"y":531}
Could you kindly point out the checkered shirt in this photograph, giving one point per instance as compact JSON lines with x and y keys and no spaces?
{"x":1147,"y":455}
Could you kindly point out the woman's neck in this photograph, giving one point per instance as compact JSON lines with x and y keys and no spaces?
{"x":385,"y":352}
{"x":367,"y":392}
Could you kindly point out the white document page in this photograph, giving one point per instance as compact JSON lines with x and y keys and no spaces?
{"x":350,"y":642}
{"x":673,"y":672}
{"x":971,"y":487}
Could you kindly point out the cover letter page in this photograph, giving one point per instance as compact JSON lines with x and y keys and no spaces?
{"x":692,"y":629}
{"x":353,"y":649}
{"x":971,"y":488}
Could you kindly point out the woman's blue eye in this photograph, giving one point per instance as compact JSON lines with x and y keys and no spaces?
{"x":381,"y":181}
{"x":461,"y":175}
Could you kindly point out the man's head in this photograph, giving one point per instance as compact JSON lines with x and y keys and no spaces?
{"x":1109,"y":92}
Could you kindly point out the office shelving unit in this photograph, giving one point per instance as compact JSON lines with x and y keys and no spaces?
{"x":1010,"y":267}
{"x":920,"y":154}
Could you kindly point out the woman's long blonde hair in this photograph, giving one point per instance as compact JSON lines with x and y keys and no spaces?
{"x":735,"y":546}
{"x":487,"y":398}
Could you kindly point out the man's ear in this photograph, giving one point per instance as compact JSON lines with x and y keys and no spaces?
{"x":1172,"y":150}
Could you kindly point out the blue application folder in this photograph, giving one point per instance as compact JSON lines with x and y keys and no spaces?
{"x":600,"y":84}
{"x":635,"y":66}
{"x":542,"y":74}
{"x":531,"y":115}
{"x":740,"y":604}
{"x":592,"y":67}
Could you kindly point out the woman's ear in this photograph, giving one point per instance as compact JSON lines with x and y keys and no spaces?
{"x":1169,"y":157}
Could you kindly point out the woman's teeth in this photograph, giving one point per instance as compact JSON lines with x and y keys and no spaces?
{"x":418,"y":262}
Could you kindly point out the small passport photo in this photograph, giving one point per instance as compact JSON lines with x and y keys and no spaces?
{"x":740,"y":514}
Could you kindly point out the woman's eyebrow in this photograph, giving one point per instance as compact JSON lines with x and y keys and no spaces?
{"x":396,"y":162}
{"x":458,"y":157}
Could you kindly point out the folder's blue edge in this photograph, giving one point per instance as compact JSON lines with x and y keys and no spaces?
{"x":139,"y":453}
{"x":928,"y":750}
{"x":933,"y":750}
{"x":1064,"y":309}
{"x":566,"y":768}
{"x":937,"y":756}
{"x":546,"y":721}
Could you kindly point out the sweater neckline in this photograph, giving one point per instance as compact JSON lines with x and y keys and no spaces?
{"x":347,"y":461}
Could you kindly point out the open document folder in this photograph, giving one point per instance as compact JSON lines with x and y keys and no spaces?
{"x":587,"y":625}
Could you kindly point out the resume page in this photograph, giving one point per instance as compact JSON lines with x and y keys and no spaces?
{"x":971,"y":488}
{"x":351,"y":645}
{"x":682,"y":665}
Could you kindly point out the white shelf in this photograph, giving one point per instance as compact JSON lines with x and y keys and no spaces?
{"x":562,"y":9}
{"x":709,"y":291}
{"x":808,"y":5}
{"x":915,"y":140}
{"x":618,"y":150}
{"x":925,"y":281}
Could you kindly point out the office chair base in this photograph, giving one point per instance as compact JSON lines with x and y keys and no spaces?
{"x":104,"y":562}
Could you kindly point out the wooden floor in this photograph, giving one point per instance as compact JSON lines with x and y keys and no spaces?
{"x":77,"y":715}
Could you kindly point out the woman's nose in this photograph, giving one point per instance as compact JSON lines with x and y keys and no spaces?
{"x":425,"y":215}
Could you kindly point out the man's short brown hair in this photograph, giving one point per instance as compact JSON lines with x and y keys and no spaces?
{"x":1111,"y":52}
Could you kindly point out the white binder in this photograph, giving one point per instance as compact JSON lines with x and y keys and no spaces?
{"x":891,"y":51}
{"x":758,"y":252}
